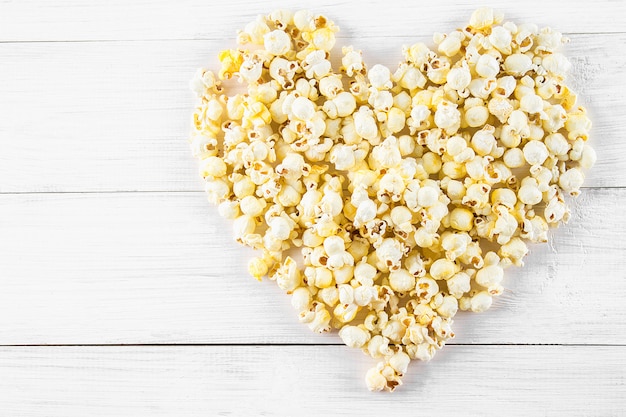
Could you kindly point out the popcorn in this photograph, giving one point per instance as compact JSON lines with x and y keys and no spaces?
{"x":514,"y":250}
{"x":229,"y":209}
{"x":390,"y":252}
{"x":391,"y":184}
{"x":487,"y":66}
{"x":354,"y":336}
{"x":531,"y":103}
{"x":380,"y":77}
{"x":277,"y":42}
{"x":588,"y":157}
{"x":409,"y":78}
{"x":448,"y":307}
{"x":535,"y":152}
{"x":462,"y":219}
{"x":352,"y":61}
{"x":481,"y":302}
{"x":375,"y":380}
{"x":482,"y":87}
{"x":459,"y":78}
{"x":476,"y":116}
{"x":365,"y":124}
{"x":252,"y":206}
{"x":490,"y":276}
{"x":203,"y":146}
{"x":556,"y":64}
{"x":483,"y":141}
{"x":448,"y":117}
{"x":427,"y":196}
{"x":455,"y":244}
{"x":514,"y":158}
{"x":301,"y":299}
{"x":483,"y":18}
{"x":571,"y":181}
{"x":450,"y":46}
{"x":459,"y":284}
{"x":442,"y":269}
{"x":517,"y":64}
{"x":257,"y":268}
{"x":316,"y":65}
{"x":401,"y":280}
{"x":529,"y":192}
{"x":500,"y":38}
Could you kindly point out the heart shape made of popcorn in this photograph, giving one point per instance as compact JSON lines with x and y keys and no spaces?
{"x":408,"y":192}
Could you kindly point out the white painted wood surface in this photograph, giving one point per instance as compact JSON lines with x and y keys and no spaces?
{"x":163,"y":268}
{"x":106,"y":240}
{"x":63,"y":20}
{"x":471,"y":381}
{"x":117,"y":118}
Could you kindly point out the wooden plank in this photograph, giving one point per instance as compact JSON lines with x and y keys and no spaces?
{"x":117,"y":118}
{"x":195,"y":19}
{"x":308,"y":380}
{"x":163,"y":268}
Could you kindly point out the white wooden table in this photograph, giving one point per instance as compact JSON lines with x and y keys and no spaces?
{"x":122,"y":292}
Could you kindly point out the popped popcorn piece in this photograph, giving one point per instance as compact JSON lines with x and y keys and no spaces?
{"x":401,"y":280}
{"x":354,"y":336}
{"x":277,"y":42}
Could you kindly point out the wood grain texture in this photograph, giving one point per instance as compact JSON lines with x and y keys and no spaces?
{"x":115,"y":116}
{"x":163,"y":268}
{"x":309,"y":381}
{"x":64,"y":20}
{"x":95,"y":107}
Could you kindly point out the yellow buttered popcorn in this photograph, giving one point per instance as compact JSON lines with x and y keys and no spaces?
{"x":391,"y":185}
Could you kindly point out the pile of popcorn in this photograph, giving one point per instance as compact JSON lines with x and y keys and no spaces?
{"x":392,"y":184}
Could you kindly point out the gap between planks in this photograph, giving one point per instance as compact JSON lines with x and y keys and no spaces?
{"x":104,"y":345}
{"x":230,"y":38}
{"x":591,"y":187}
